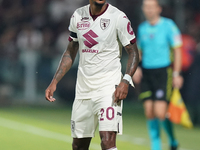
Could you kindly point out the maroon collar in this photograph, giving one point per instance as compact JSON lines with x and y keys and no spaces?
{"x":95,"y":16}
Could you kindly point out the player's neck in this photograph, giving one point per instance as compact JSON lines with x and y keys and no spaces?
{"x":154,"y":20}
{"x":97,"y":9}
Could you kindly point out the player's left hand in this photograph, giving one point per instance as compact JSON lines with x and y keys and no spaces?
{"x":121,"y":91}
{"x":178,"y":81}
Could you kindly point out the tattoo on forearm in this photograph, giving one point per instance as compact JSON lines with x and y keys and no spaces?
{"x":133,"y":58}
{"x":66,"y":61}
{"x":64,"y":66}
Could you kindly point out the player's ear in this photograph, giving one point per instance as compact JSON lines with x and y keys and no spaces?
{"x":142,"y":7}
{"x":159,"y":9}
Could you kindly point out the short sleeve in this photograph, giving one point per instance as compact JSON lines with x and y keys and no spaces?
{"x":72,"y":28}
{"x":174,"y":35}
{"x":124,"y":30}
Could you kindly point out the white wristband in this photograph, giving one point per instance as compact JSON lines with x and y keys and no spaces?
{"x":176,"y":73}
{"x":127,"y":77}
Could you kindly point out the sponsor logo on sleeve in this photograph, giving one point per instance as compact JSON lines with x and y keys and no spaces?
{"x":130,"y":29}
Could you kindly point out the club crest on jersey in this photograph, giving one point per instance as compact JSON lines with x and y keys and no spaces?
{"x":104,"y":23}
{"x":83,"y":25}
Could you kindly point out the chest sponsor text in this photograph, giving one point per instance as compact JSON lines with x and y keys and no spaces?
{"x":83,"y":25}
{"x":89,"y":51}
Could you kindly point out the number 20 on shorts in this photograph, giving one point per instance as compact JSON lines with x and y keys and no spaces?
{"x":110,"y":113}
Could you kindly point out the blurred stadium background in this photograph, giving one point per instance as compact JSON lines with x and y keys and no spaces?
{"x":33,"y":36}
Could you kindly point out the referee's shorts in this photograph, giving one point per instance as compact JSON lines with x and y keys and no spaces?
{"x":156,"y":84}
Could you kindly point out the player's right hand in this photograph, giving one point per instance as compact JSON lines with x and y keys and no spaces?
{"x":121,"y":91}
{"x":49,"y":93}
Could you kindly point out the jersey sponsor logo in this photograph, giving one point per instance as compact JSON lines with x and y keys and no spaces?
{"x":89,"y":36}
{"x":104,"y":23}
{"x":89,"y":51}
{"x":84,"y":18}
{"x":130,"y":29}
{"x":83,"y":25}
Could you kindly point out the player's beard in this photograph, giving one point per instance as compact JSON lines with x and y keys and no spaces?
{"x":99,"y":5}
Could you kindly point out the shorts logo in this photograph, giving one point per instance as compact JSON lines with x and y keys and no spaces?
{"x":104,"y":23}
{"x":159,"y":94}
{"x":83,"y":25}
{"x":118,"y":113}
{"x":72,"y":125}
{"x":130,"y":29}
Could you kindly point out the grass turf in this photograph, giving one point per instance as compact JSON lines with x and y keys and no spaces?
{"x":48,"y":128}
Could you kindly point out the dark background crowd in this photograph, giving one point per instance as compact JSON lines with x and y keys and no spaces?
{"x":34,"y":34}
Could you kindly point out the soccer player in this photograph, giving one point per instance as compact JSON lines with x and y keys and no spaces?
{"x":156,"y":36}
{"x":97,"y":30}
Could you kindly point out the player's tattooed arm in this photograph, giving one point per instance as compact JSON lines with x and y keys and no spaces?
{"x":65,"y":64}
{"x":67,"y":60}
{"x":133,"y":58}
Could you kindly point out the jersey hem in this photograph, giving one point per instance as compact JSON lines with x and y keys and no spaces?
{"x":83,"y":136}
{"x":94,"y":96}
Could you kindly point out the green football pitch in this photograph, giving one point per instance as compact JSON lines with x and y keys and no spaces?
{"x":48,"y":128}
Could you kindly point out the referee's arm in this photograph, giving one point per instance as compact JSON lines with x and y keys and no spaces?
{"x":177,"y":78}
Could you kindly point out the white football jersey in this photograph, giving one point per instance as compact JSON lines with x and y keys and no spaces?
{"x":99,"y":48}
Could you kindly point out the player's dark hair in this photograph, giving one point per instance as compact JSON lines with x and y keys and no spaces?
{"x":158,"y":1}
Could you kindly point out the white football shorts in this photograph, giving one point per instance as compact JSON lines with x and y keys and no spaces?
{"x":88,"y":113}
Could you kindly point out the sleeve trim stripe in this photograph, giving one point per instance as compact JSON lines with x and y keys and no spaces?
{"x":133,"y":41}
{"x":70,"y":39}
